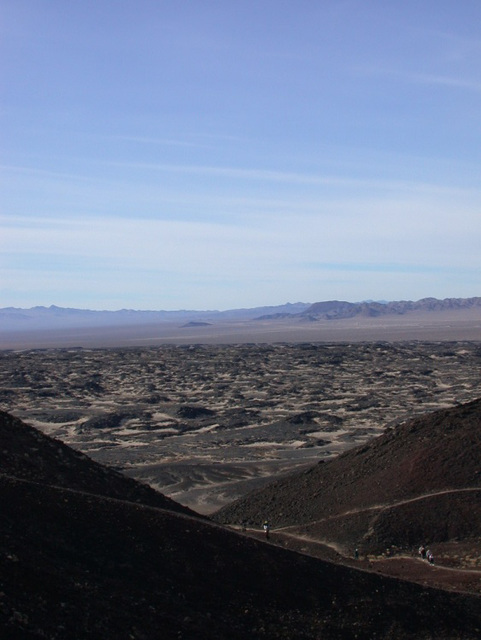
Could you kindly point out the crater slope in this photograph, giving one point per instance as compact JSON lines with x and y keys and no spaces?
{"x":418,"y":483}
{"x":75,"y":564}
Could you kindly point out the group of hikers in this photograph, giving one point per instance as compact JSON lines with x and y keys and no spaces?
{"x":426,"y":554}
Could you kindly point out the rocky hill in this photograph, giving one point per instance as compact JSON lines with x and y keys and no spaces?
{"x":420,"y":481}
{"x":75,"y":564}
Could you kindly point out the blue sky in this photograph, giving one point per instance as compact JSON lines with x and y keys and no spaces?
{"x":203,"y":154}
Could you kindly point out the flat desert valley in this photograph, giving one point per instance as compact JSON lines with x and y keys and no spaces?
{"x":205,"y":423}
{"x":441,"y":325}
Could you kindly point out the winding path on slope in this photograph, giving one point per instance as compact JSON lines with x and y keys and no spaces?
{"x":402,"y":565}
{"x":382,"y":507}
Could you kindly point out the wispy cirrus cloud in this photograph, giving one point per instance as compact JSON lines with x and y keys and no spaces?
{"x":446,"y":81}
{"x":396,"y":74}
{"x":293,"y":178}
{"x":323,"y":152}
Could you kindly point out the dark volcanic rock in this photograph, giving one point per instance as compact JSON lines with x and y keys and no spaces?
{"x":113,"y":420}
{"x":306,"y":417}
{"x":77,"y":565}
{"x":191,"y":412}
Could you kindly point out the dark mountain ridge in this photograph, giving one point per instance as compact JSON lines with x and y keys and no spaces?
{"x":335,"y":309}
{"x":75,"y":564}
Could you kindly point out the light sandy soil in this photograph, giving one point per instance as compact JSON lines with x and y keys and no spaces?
{"x":207,"y":423}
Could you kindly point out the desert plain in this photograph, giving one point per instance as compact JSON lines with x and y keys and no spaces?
{"x":206,"y":423}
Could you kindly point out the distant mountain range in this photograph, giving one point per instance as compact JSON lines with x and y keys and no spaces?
{"x":13,"y":319}
{"x":337,"y":309}
{"x":17,"y":319}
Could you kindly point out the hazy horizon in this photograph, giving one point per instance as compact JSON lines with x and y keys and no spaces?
{"x":236,"y":155}
{"x":235,"y":308}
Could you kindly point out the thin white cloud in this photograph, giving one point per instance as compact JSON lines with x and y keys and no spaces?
{"x":446,"y":81}
{"x":43,"y":173}
{"x":383,"y":70}
{"x":455,"y":46}
{"x":293,"y":178}
{"x":159,"y":141}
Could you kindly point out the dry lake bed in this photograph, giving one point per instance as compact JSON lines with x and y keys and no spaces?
{"x":205,"y":424}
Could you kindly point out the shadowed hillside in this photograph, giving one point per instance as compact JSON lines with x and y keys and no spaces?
{"x":418,"y":482}
{"x":28,"y":454}
{"x":75,"y":564}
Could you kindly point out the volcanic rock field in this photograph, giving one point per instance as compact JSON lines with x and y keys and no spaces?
{"x":205,"y":424}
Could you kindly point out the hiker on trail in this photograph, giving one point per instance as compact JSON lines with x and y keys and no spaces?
{"x":430,"y":557}
{"x":266,"y":528}
{"x":422,"y":551}
{"x":356,"y":554}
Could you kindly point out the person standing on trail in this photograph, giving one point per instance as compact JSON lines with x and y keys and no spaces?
{"x":422,"y":551}
{"x":430,"y":557}
{"x":266,"y":528}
